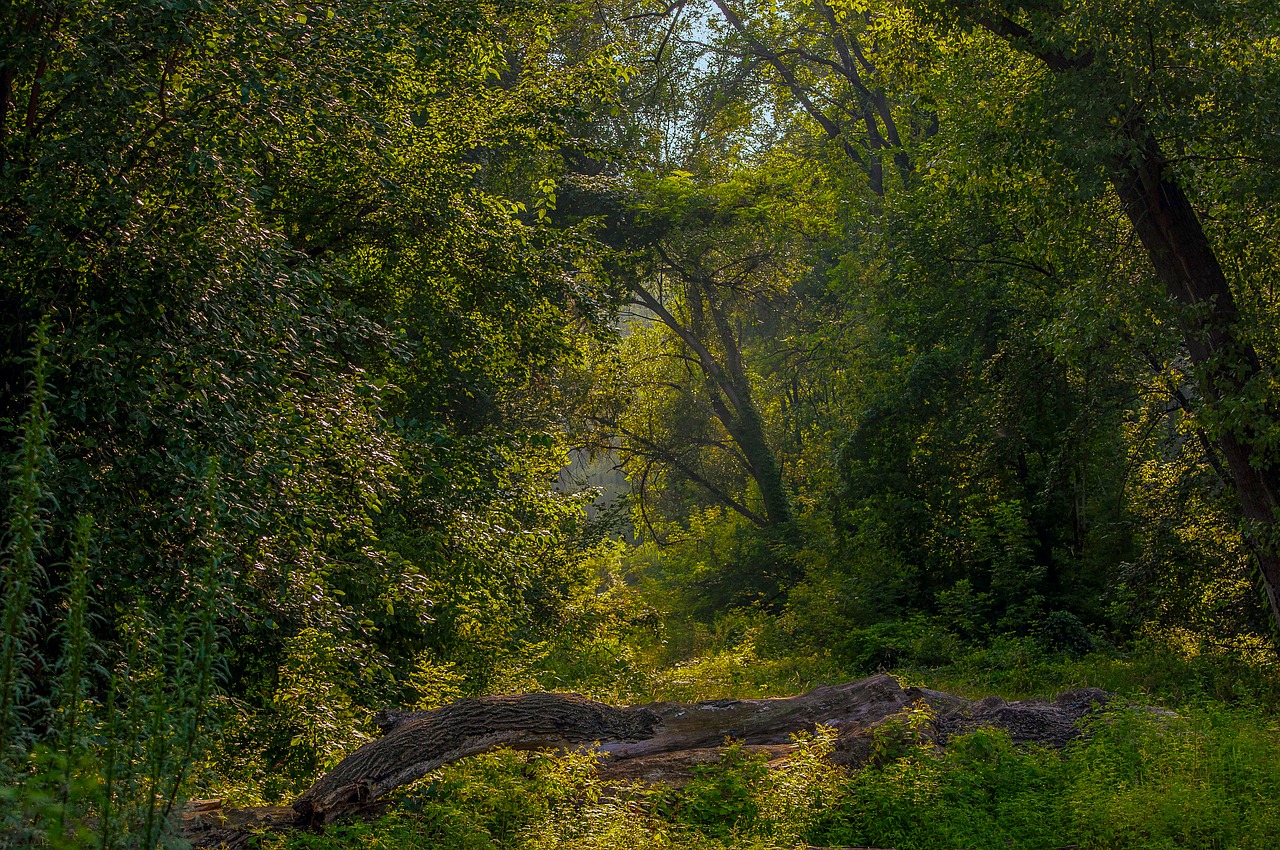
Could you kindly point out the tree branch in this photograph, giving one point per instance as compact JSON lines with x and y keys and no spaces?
{"x":788,"y":78}
{"x":669,"y":458}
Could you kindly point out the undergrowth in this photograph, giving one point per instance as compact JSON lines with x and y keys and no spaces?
{"x":1188,"y":757}
{"x":1198,"y":772}
{"x":1141,"y":780}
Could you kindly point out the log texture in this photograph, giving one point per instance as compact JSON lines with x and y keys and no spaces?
{"x":638,"y":741}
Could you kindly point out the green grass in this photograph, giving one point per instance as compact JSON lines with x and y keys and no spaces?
{"x":1206,"y":777}
{"x":635,"y":654}
{"x":1188,"y":758}
{"x":1142,"y":780}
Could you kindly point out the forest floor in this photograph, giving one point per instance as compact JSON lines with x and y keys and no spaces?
{"x":1202,"y":770}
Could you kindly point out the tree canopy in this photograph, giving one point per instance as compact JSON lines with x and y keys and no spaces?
{"x":891,"y":313}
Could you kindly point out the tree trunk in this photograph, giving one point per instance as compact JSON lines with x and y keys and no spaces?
{"x":746,"y":425}
{"x":730,"y":393}
{"x":639,"y":740}
{"x":747,"y":430}
{"x":1184,"y":260}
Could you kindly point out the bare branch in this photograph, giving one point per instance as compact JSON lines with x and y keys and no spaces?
{"x":789,"y":79}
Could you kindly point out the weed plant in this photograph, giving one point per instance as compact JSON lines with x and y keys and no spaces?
{"x":96,"y":736}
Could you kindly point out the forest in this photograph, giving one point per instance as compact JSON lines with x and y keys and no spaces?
{"x":369,"y":366}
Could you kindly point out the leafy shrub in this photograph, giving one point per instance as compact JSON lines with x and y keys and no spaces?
{"x":1141,"y":780}
{"x":722,"y":797}
{"x":884,"y":646}
{"x":1062,"y":631}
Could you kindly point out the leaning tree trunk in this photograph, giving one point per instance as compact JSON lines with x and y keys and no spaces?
{"x":1228,"y":366}
{"x":748,"y":432}
{"x":1184,"y":260}
{"x":416,"y":743}
{"x":730,"y":395}
{"x":744,"y":423}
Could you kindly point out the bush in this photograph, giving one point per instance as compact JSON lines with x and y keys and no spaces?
{"x":1142,"y":780}
{"x":722,"y":798}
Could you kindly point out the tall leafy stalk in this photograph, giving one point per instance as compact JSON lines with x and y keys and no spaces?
{"x":75,"y":661}
{"x":26,"y":535}
{"x":160,"y":696}
{"x":204,"y":648}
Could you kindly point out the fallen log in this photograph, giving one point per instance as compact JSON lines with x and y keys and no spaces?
{"x":208,"y":824}
{"x":415,"y":743}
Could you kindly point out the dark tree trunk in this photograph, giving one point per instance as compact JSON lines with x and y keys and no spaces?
{"x":745,"y":423}
{"x":747,"y":430}
{"x":730,"y":393}
{"x":1185,"y":262}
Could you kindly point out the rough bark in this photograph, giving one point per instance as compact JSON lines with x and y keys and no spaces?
{"x":661,"y":741}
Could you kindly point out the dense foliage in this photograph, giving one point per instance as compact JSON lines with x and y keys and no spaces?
{"x":930,"y":336}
